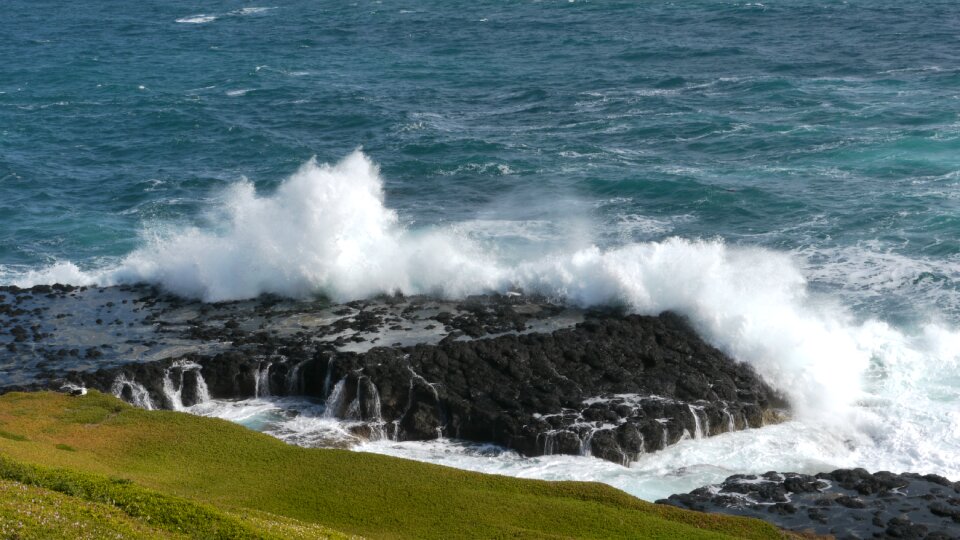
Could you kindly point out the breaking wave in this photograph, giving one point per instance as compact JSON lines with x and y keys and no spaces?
{"x":327,"y":230}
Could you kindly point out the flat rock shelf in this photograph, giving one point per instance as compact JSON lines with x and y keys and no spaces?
{"x":525,"y":373}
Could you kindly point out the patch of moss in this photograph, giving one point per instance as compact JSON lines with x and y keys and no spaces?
{"x":67,"y":447}
{"x":234,"y":471}
{"x":90,"y":412}
{"x":12,"y":436}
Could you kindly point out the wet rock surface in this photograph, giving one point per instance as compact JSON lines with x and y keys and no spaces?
{"x":520,"y":372}
{"x":845,"y":503}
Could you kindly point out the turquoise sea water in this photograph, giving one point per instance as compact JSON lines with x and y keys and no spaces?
{"x":784,"y":173}
{"x":826,"y":128}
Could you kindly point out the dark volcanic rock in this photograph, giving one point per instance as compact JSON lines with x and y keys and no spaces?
{"x":613,"y":386}
{"x":847,"y":503}
{"x":627,"y":379}
{"x":522,"y":373}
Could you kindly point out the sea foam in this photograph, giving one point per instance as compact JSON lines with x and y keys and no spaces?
{"x":327,"y":230}
{"x":197,"y":19}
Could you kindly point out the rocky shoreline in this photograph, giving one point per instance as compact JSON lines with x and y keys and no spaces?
{"x":845,"y":503}
{"x":525,"y":373}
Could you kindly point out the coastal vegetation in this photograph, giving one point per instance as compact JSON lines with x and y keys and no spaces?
{"x":100,"y":466}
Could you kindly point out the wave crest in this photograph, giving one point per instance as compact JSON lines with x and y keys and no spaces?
{"x":327,"y":230}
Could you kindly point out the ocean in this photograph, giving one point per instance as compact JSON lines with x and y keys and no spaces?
{"x":785,"y":174}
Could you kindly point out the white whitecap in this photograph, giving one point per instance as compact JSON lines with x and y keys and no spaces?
{"x":64,"y":272}
{"x":327,"y":229}
{"x":197,"y":19}
{"x":251,"y":10}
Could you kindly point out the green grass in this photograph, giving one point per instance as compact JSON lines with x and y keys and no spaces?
{"x":211,"y":473}
{"x":43,"y":502}
{"x":30,"y":512}
{"x":163,"y":512}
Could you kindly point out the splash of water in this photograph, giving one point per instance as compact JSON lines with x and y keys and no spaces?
{"x":173,"y":391}
{"x":327,"y":230}
{"x":132,"y":391}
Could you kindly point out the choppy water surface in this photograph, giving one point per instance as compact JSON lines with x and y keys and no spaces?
{"x":784,"y":173}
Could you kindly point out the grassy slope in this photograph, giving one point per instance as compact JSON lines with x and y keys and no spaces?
{"x":33,"y":512}
{"x":234,"y":470}
{"x":45,"y":502}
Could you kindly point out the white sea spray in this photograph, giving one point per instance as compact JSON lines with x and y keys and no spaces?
{"x":866,"y":392}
